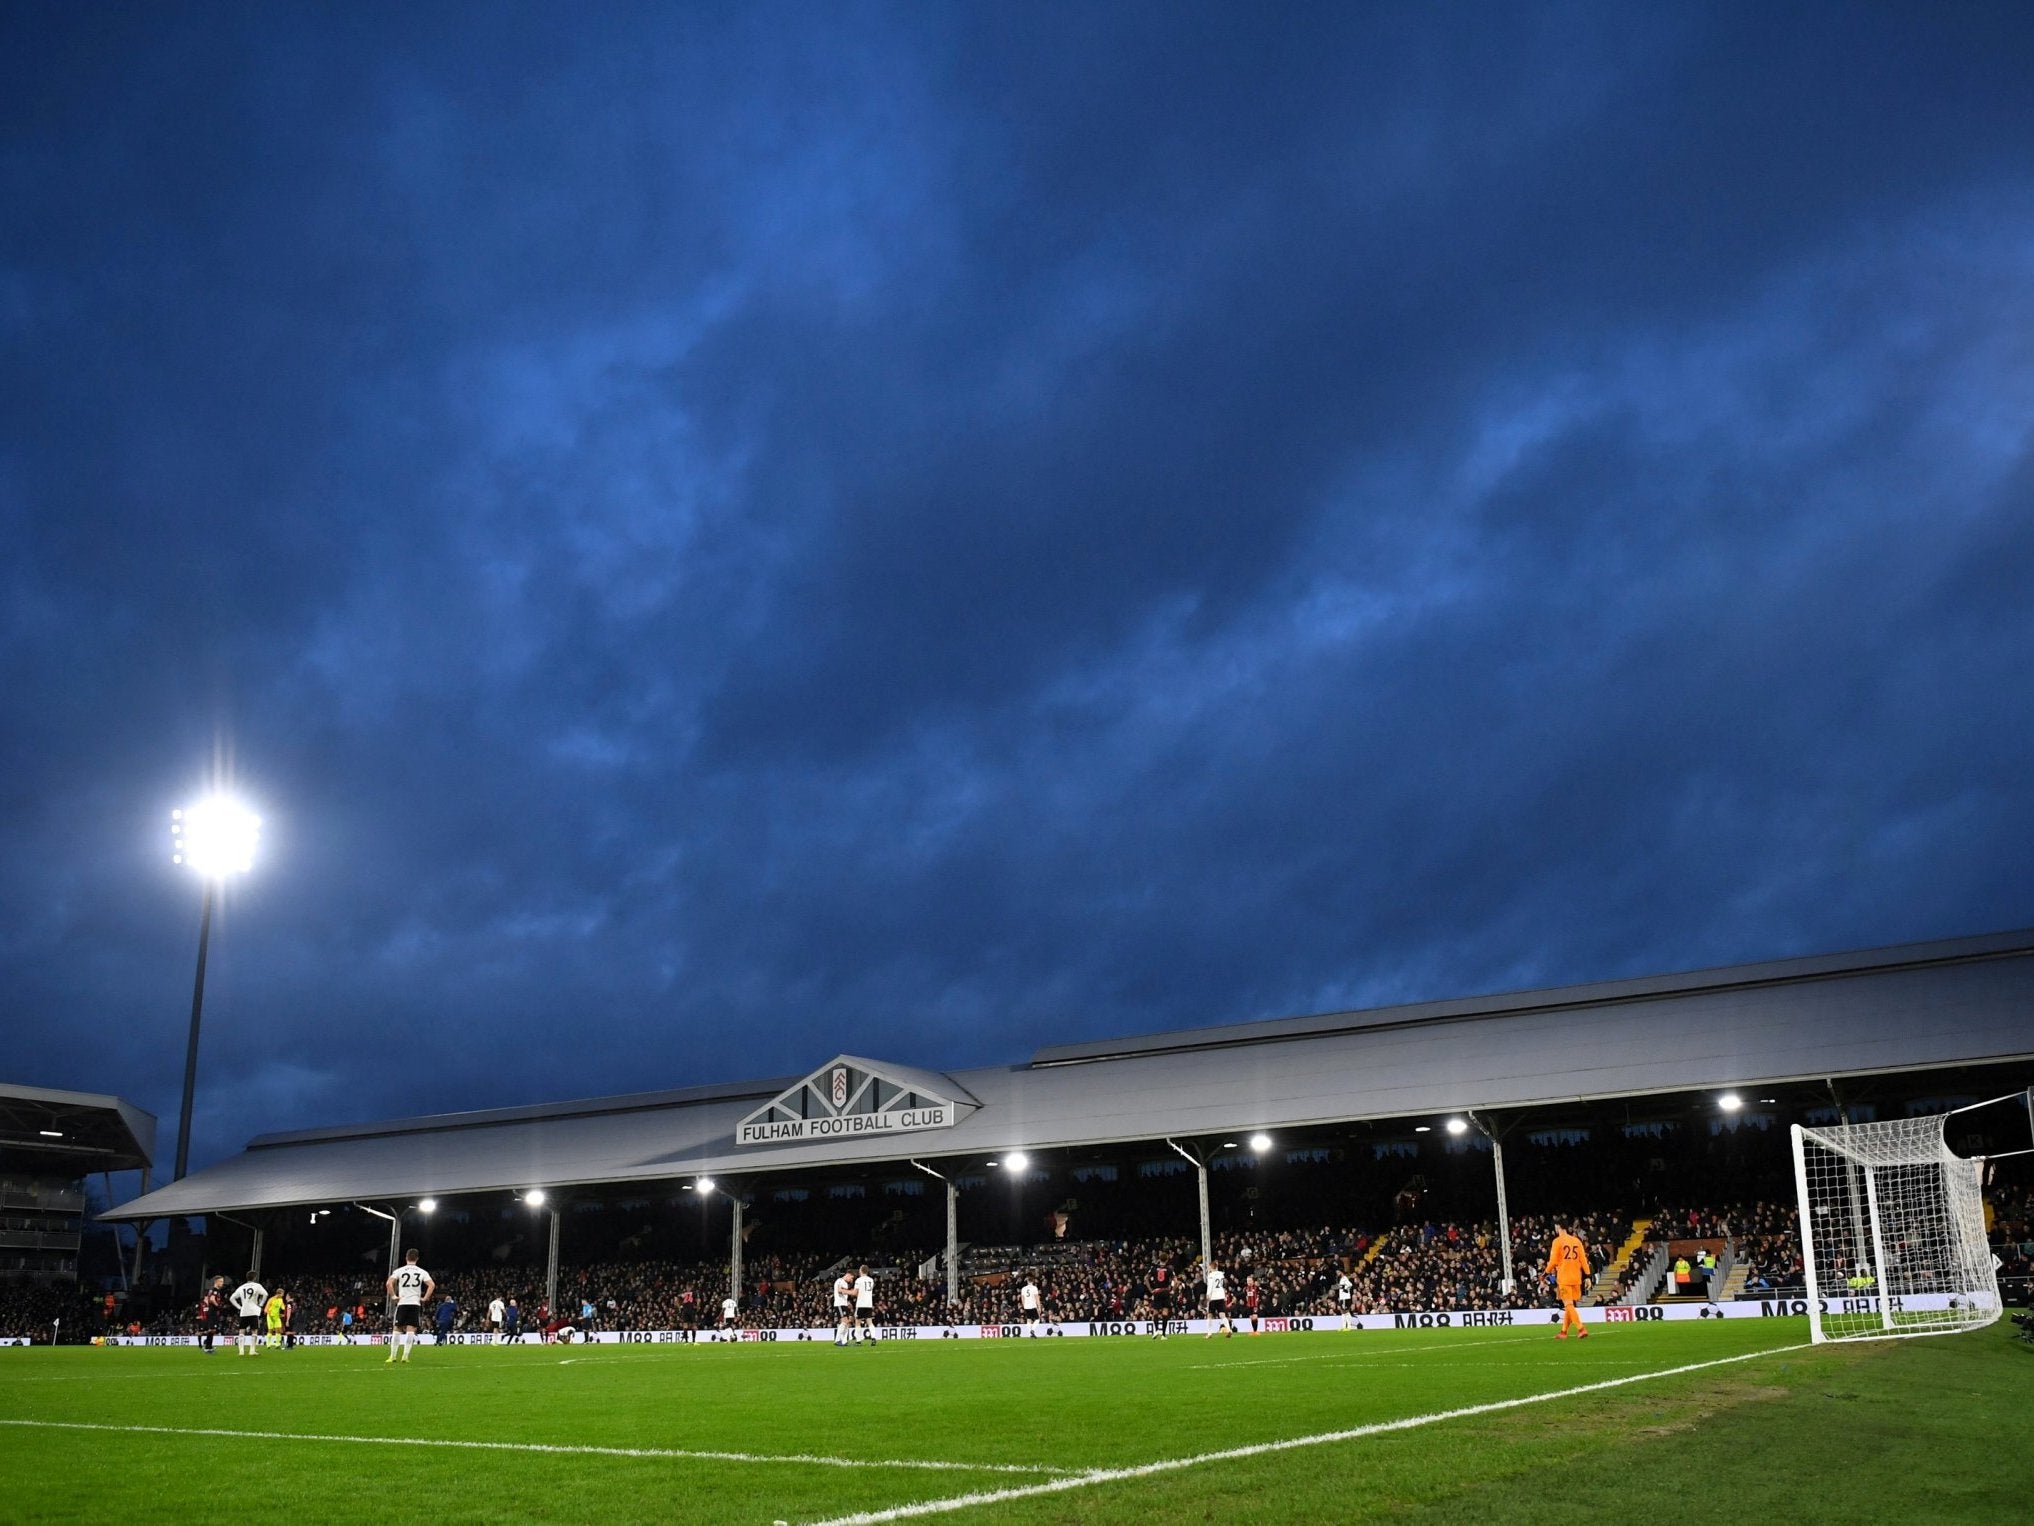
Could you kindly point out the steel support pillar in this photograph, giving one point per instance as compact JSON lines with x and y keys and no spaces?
{"x":1201,"y":1181}
{"x":551,"y":1267}
{"x":140,"y":1233}
{"x":952,"y":1244}
{"x":734,"y":1253}
{"x":1503,"y":1218}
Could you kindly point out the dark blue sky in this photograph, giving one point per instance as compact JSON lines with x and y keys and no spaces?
{"x":719,"y":535}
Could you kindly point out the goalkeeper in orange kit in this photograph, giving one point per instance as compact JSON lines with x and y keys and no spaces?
{"x":1568,"y":1266}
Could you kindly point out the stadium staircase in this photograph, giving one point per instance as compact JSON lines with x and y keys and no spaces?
{"x":1608,"y":1279}
{"x":1738,"y":1274}
{"x":1648,"y":1281}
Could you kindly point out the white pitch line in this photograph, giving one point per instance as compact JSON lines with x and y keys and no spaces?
{"x":1174,"y":1464}
{"x":661,"y":1453}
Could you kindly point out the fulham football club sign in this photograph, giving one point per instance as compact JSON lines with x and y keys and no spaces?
{"x":849,"y":1097}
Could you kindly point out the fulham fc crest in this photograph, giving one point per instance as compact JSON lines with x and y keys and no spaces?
{"x":840,"y":1086}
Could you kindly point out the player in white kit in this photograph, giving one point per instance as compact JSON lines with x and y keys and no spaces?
{"x":1218,"y":1303}
{"x":1031,"y":1303}
{"x":843,"y":1310}
{"x":247,"y":1301}
{"x":409,"y":1285}
{"x":1344,"y":1291}
{"x":865,"y":1306}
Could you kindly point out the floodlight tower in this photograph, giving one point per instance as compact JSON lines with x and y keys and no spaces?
{"x":216,"y":838}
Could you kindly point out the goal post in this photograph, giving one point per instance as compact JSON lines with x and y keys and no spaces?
{"x":1892,"y":1231}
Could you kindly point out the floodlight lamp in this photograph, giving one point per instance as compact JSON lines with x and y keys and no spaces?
{"x":1423,"y":1128}
{"x":534,"y":1197}
{"x":1260,"y":1142}
{"x":1457,"y":1126}
{"x":1730,"y":1102}
{"x":216,"y":837}
{"x":1016,"y":1160}
{"x":705,"y":1184}
{"x":51,"y":1133}
{"x":427,"y":1205}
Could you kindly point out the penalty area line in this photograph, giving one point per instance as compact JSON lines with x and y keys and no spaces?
{"x":805,"y":1459}
{"x":1258,"y":1449}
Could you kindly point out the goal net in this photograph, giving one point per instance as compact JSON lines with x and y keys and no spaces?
{"x":1892,"y":1231}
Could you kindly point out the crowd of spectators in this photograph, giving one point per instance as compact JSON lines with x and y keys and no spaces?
{"x":2012,"y":1239}
{"x":1433,"y":1266}
{"x":1450,"y":1267}
{"x":1768,"y":1240}
{"x":1762,"y":1232}
{"x":37,"y":1312}
{"x":1428,"y":1265}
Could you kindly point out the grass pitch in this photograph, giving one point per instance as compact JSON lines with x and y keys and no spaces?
{"x":1323,"y":1427}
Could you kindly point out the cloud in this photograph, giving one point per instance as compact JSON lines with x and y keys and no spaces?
{"x":717,"y":539}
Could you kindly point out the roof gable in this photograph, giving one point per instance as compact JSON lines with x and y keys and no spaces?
{"x":850,"y":1096}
